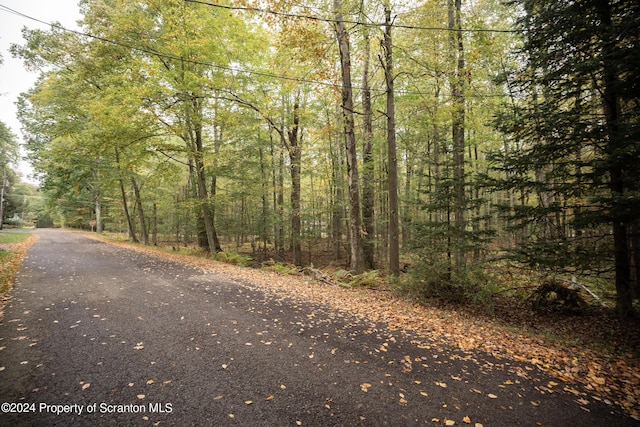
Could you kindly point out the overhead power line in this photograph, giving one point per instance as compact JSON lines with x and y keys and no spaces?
{"x":329,"y":20}
{"x":234,"y":70}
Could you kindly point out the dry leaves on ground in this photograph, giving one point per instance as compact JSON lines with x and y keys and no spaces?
{"x":611,"y":379}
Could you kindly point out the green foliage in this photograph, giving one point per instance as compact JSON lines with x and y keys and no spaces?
{"x":433,"y":278}
{"x":571,"y":153}
{"x":233,"y":258}
{"x":8,"y":146}
{"x":282,"y":268}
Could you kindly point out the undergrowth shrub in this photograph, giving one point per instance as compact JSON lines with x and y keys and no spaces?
{"x":233,"y":258}
{"x":434,"y":279}
{"x":278,"y":267}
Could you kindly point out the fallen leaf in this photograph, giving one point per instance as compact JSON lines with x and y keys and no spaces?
{"x":449,"y":422}
{"x":218,"y":397}
{"x":492,"y":396}
{"x":270,"y":397}
{"x":149,"y":382}
{"x":140,"y":396}
{"x":365,"y":387}
{"x":435,"y":420}
{"x":466,"y":420}
{"x":248,"y":402}
{"x":85,"y":386}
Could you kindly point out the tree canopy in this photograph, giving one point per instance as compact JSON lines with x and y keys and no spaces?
{"x":374,"y":134}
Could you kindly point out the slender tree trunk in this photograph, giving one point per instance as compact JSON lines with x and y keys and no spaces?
{"x":154,"y":231}
{"x":394,"y":226}
{"x":196,"y":145}
{"x":125,"y":206}
{"x":368,"y":196}
{"x":458,"y":126}
{"x":97,"y":200}
{"x":355,"y":226}
{"x":264,"y":220}
{"x":296,"y":161}
{"x":337,"y":193}
{"x":143,"y":225}
{"x":615,"y":145}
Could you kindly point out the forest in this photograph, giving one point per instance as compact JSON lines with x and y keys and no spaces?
{"x":429,"y":141}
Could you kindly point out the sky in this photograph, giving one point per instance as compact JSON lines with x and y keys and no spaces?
{"x":14,"y":79}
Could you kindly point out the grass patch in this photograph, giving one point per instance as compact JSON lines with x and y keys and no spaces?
{"x":13,"y":237}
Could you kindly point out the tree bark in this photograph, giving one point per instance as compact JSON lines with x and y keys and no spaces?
{"x":458,"y":126}
{"x":125,"y":207}
{"x":295,"y":158}
{"x":611,"y":108}
{"x":355,"y":226}
{"x":143,"y":225}
{"x":394,"y":226}
{"x":368,"y":195}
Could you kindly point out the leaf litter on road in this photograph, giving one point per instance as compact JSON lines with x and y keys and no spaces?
{"x":613,"y":379}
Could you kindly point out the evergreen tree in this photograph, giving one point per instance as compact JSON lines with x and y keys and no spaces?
{"x":575,"y":148}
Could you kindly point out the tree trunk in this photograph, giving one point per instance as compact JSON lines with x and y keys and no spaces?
{"x":143,"y":226}
{"x":98,"y":208}
{"x":458,"y":126}
{"x":394,"y":226}
{"x":125,"y":207}
{"x":194,"y":137}
{"x":295,"y":158}
{"x":368,"y":196}
{"x":355,"y":227}
{"x":615,"y":145}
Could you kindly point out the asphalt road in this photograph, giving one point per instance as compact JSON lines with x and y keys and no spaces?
{"x":99,"y":335}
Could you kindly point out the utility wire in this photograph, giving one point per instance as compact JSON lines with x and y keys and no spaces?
{"x":212,"y":65}
{"x":332,"y":21}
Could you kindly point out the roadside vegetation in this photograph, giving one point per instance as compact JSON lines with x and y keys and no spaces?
{"x":12,"y":249}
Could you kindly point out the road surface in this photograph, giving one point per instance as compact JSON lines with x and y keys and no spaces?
{"x":95,"y":334}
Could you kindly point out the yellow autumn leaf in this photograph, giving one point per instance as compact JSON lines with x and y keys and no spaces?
{"x":492,"y":396}
{"x":466,"y":420}
{"x":365,"y":387}
{"x":86,"y":386}
{"x":248,"y":402}
{"x":449,"y":422}
{"x":140,"y":396}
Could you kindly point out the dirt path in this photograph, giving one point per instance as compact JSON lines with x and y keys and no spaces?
{"x":101,"y":335}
